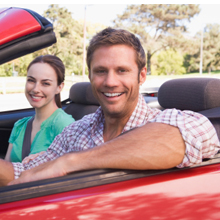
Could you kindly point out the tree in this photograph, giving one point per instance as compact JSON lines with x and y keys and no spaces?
{"x":192,"y":54}
{"x":6,"y":69}
{"x":19,"y":65}
{"x":69,"y":33}
{"x":191,"y":62}
{"x":170,"y":62}
{"x":211,"y":46}
{"x":211,"y":50}
{"x":159,"y":26}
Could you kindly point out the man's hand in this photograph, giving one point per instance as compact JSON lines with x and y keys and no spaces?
{"x":6,"y":172}
{"x":50,"y":169}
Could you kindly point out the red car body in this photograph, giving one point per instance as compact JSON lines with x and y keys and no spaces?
{"x":188,"y":193}
{"x":12,"y":29}
{"x":191,"y":193}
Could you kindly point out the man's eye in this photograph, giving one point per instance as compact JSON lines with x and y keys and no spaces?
{"x":122,"y":70}
{"x":100,"y":71}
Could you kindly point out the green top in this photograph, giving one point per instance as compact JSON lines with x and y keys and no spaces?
{"x":50,"y":128}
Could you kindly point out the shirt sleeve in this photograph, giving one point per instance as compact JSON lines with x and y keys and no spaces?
{"x":199,"y":134}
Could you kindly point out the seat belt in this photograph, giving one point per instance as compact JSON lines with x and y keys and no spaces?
{"x":26,"y":147}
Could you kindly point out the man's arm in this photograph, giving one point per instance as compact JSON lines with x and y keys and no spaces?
{"x":152,"y":146}
{"x":6,"y":172}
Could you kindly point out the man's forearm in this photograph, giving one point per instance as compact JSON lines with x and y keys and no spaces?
{"x":6,"y":172}
{"x":152,"y":146}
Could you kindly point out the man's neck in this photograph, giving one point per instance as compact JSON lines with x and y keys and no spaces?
{"x":114,"y":124}
{"x":113,"y":127}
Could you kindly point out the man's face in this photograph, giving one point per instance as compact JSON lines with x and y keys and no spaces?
{"x":114,"y":79}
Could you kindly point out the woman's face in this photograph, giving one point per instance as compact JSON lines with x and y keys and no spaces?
{"x":41,"y":85}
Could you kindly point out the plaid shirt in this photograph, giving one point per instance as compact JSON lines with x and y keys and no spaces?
{"x":198,"y":133}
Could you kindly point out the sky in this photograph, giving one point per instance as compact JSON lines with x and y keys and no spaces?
{"x":105,"y":13}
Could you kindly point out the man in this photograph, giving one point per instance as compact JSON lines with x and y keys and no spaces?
{"x":107,"y":138}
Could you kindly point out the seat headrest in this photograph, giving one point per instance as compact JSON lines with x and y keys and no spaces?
{"x":82,"y":93}
{"x":196,"y":94}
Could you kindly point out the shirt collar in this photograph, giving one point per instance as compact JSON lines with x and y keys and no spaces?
{"x":136,"y":119}
{"x":138,"y":116}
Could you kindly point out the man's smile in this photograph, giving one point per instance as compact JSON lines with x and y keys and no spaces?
{"x":108,"y":94}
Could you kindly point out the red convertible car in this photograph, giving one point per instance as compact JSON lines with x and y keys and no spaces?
{"x":188,"y":193}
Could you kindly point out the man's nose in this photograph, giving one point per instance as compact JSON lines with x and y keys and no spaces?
{"x":111,"y":79}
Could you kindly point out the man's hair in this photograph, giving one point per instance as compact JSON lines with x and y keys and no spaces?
{"x":110,"y":37}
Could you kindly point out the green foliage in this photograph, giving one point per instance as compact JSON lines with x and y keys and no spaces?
{"x":19,"y":65}
{"x":191,"y":62}
{"x":170,"y":63}
{"x":6,"y":69}
{"x":159,"y":26}
{"x":69,"y":33}
{"x":211,"y":46}
{"x":211,"y":50}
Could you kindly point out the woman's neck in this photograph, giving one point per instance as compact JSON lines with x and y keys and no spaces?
{"x":43,"y":113}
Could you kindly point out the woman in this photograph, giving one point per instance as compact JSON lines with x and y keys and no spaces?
{"x":45,"y":76}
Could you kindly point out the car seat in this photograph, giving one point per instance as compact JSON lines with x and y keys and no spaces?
{"x":197,"y":94}
{"x":82,"y":100}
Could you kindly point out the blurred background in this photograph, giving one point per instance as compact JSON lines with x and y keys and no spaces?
{"x":180,"y":40}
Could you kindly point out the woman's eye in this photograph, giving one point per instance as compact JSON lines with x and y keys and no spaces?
{"x":46,"y":84}
{"x":30,"y":80}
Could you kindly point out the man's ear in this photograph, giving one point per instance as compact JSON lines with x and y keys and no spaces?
{"x":142,"y":75}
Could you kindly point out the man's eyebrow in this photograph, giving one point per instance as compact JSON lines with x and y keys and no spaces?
{"x":99,"y":67}
{"x":124,"y":67}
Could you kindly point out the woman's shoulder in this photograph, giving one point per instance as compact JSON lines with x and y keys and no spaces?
{"x":22,"y":122}
{"x":59,"y":120}
{"x":19,"y":127}
{"x":62,"y":116}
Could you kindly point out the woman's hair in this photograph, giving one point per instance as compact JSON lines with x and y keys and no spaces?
{"x":57,"y":64}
